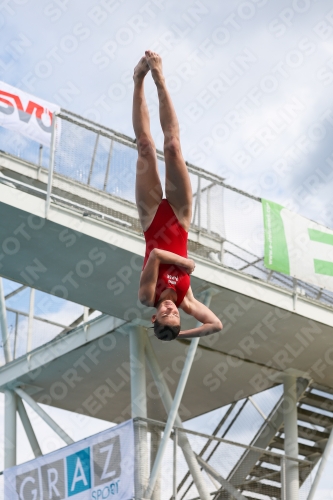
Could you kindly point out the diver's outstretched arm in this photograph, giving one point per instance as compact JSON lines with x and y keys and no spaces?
{"x":210,"y":322}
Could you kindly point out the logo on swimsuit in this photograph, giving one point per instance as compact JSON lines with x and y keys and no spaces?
{"x":172,"y":279}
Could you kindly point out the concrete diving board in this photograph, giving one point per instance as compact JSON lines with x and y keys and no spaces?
{"x":97,"y":263}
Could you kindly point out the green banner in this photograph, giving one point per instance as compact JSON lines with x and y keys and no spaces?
{"x":322,"y":266}
{"x":276,"y":250}
{"x":297,"y":246}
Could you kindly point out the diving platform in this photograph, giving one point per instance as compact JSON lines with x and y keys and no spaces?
{"x":85,"y":244}
{"x":97,"y":263}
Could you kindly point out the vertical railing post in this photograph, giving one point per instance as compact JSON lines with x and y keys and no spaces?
{"x":3,"y":324}
{"x":199,"y":202}
{"x":51,"y":163}
{"x":40,"y":159}
{"x":155,"y":440}
{"x":15,"y":334}
{"x":295,"y":294}
{"x":93,"y":160}
{"x":31,"y":318}
{"x":221,"y":229}
{"x":85,"y":314}
{"x":291,"y":436}
{"x":222,"y":252}
{"x":40,"y":155}
{"x":208,"y":210}
{"x":10,"y":429}
{"x":108,"y":166}
{"x":195,"y":207}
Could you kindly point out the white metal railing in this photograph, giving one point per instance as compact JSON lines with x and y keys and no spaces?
{"x":18,"y":339}
{"x":266,"y":479}
{"x":109,"y":166}
{"x":203,"y":182}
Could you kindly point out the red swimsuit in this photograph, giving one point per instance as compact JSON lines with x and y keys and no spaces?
{"x":166,"y":233}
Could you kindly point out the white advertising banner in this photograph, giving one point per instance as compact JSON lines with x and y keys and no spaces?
{"x":298,"y":246}
{"x":97,"y":468}
{"x":27,"y":114}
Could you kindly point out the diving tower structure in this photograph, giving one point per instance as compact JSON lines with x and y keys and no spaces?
{"x":71,"y":229}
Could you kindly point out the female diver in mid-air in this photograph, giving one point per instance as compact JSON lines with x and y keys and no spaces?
{"x":165,"y":281}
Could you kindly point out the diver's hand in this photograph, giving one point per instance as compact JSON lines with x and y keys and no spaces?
{"x":190,"y":266}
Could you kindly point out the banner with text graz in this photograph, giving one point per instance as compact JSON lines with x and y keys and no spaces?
{"x":297,"y":246}
{"x":27,"y":114}
{"x":101,"y":466}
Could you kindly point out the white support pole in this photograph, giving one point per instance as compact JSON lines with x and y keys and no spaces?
{"x":182,"y":438}
{"x":291,"y":436}
{"x":139,"y":406}
{"x":49,"y":420}
{"x":30,"y":318}
{"x":10,"y":429}
{"x":174,"y":475}
{"x":283,"y":478}
{"x":138,"y":372}
{"x":51,"y":163}
{"x":28,"y":428}
{"x":155,"y":440}
{"x":3,"y":322}
{"x":323,"y":462}
{"x":173,"y":416}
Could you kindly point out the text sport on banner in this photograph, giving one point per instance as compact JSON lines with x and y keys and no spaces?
{"x":27,"y":114}
{"x":99,"y":467}
{"x":297,"y":246}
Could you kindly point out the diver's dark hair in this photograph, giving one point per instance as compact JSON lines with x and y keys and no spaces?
{"x":165,"y":332}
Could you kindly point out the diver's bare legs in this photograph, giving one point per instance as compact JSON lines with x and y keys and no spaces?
{"x":148,"y":189}
{"x":178,"y":188}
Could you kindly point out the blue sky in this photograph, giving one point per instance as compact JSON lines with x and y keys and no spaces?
{"x":251,"y":81}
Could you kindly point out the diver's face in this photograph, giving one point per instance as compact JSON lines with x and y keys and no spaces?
{"x":167,"y":313}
